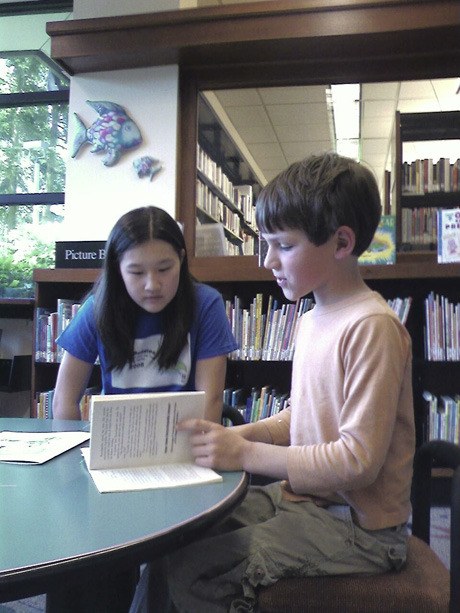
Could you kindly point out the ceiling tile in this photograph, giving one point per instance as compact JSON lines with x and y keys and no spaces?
{"x":372,"y":146}
{"x":370,"y":128}
{"x":260,"y":134}
{"x":293,"y":95}
{"x":378,"y":108}
{"x":380,"y":91}
{"x":246,"y":116}
{"x":416,"y":89}
{"x":414,"y":105}
{"x":238,"y":97}
{"x":297,"y":151}
{"x":291,"y":114}
{"x":296,"y":133}
{"x":263,"y":151}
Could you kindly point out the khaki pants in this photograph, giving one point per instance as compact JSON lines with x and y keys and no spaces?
{"x":264,"y":539}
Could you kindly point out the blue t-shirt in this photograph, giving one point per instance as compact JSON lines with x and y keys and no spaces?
{"x":209,"y":336}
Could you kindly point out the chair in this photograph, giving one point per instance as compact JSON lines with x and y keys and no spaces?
{"x":424,"y":585}
{"x":232,"y":415}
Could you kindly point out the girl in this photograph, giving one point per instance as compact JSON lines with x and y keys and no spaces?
{"x":152,"y":327}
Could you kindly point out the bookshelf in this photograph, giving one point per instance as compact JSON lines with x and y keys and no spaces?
{"x":414,"y":275}
{"x":226,"y":189}
{"x":423,"y":186}
{"x":50,"y":285}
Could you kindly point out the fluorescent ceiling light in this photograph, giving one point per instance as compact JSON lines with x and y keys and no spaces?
{"x":344,"y":104}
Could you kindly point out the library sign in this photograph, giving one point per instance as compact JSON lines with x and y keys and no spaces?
{"x":80,"y":254}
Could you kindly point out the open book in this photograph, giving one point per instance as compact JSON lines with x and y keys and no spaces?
{"x":134,"y":444}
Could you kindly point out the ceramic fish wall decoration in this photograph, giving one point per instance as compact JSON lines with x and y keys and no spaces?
{"x":113,"y":132}
{"x":147,"y":166}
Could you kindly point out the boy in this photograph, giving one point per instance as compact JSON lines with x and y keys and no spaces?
{"x":342,"y":452}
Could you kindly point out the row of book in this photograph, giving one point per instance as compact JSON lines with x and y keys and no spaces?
{"x":441,"y":329}
{"x":265,"y":334}
{"x":214,"y":172}
{"x":425,"y":176}
{"x":48,"y":326}
{"x":419,"y":228}
{"x":208,"y":202}
{"x":443,"y":417}
{"x":211,"y":240}
{"x":269,"y":334}
{"x":401,"y":306}
{"x":257,"y":403}
{"x":241,"y":196}
{"x":44,"y":404}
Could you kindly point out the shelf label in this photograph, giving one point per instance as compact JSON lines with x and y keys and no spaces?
{"x":79,"y":254}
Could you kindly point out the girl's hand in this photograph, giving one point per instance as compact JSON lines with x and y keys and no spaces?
{"x":214,"y":445}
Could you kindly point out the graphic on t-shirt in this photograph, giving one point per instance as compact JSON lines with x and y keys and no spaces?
{"x":144,"y":371}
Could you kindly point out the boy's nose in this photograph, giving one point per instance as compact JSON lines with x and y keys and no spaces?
{"x":269,"y":260}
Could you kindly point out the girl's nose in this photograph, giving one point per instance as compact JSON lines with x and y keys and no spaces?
{"x":151,"y":282}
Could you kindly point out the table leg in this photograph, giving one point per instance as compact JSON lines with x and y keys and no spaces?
{"x":100,"y":592}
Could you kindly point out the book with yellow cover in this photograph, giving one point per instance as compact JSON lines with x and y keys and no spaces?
{"x":382,"y":249}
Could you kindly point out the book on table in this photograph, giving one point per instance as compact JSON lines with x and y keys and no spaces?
{"x":37,"y":447}
{"x":134,"y":444}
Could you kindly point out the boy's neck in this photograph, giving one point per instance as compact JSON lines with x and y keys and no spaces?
{"x":345,"y":283}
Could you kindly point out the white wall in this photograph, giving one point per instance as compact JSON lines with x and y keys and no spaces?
{"x":102,"y":8}
{"x":27,"y":32}
{"x":96,"y":195}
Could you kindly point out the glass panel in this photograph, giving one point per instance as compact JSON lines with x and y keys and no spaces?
{"x":29,"y":71}
{"x":27,"y":241}
{"x":33,"y":148}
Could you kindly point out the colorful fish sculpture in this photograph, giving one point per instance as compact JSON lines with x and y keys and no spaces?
{"x":147,"y":166}
{"x":113,"y":132}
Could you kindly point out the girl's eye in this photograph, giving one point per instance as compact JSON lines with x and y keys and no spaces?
{"x":285,"y":247}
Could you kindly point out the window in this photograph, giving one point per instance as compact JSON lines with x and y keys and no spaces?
{"x":34,"y":97}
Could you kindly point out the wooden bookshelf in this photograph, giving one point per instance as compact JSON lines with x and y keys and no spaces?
{"x":415,"y":275}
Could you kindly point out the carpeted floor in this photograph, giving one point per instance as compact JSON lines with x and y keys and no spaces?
{"x":440,"y":522}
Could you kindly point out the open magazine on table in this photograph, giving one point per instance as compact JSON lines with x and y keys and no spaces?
{"x":37,"y":447}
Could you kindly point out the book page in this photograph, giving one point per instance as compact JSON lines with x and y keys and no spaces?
{"x":37,"y":447}
{"x":150,"y":477}
{"x":130,"y":430}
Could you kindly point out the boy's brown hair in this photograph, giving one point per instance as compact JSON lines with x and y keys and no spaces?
{"x":318,"y":195}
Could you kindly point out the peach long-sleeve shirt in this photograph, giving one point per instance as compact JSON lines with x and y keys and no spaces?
{"x":350,"y":426}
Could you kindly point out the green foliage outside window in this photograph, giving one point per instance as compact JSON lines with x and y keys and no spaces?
{"x":33,"y":137}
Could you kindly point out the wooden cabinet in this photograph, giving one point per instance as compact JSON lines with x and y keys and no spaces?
{"x":418,"y":193}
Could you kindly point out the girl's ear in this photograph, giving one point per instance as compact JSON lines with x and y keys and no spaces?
{"x":345,"y":242}
{"x":182,"y":255}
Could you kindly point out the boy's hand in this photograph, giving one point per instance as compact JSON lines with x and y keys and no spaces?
{"x":214,"y":445}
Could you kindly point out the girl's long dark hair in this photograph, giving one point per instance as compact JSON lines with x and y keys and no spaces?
{"x":116,"y":313}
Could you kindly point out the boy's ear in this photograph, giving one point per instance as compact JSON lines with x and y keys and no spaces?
{"x":345,"y":241}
